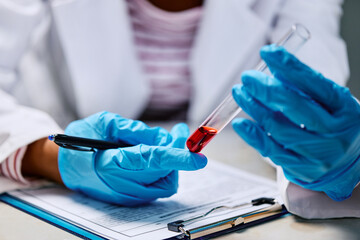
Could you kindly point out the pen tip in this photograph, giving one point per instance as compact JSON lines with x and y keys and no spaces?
{"x":51,"y":137}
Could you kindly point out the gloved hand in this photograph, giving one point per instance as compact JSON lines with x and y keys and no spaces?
{"x":305,"y":123}
{"x":130,"y":175}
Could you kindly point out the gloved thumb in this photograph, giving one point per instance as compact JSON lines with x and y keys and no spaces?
{"x":253,"y":135}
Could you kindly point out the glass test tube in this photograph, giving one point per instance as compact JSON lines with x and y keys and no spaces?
{"x":293,"y":40}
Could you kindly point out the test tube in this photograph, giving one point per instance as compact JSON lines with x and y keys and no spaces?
{"x":293,"y":40}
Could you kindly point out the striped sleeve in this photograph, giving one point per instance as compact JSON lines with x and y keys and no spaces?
{"x":11,"y":167}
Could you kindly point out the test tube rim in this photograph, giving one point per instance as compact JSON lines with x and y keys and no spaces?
{"x":301,"y":31}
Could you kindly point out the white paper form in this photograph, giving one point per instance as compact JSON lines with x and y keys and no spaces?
{"x":199,"y":191}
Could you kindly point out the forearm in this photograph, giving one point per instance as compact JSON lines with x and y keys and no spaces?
{"x":41,"y":160}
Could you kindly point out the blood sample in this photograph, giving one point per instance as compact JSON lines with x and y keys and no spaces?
{"x":228,"y":108}
{"x":200,"y":138}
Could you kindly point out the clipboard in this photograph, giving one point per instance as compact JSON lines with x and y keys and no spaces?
{"x":207,"y":231}
{"x":232,"y":224}
{"x":229,"y":225}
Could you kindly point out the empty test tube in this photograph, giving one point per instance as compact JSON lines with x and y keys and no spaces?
{"x":292,"y":41}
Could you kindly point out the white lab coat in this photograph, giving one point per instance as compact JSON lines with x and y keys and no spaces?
{"x":73,"y":58}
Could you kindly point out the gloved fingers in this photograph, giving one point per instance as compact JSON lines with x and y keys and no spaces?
{"x":112,"y":162}
{"x":132,"y":183}
{"x":113,"y":197}
{"x":287,"y":67}
{"x":113,"y":127}
{"x":142,"y":157}
{"x":292,"y":163}
{"x":290,"y":136}
{"x":296,"y":106}
{"x":180,"y":132}
{"x":253,"y":135}
{"x":270,"y":121}
{"x":163,"y":187}
{"x":166,"y":186}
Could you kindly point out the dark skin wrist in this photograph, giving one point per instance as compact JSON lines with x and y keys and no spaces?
{"x":41,"y":160}
{"x":176,"y":6}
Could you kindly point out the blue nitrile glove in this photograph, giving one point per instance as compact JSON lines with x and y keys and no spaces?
{"x":130,"y":175}
{"x":305,"y":123}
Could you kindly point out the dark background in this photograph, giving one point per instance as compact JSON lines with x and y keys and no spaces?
{"x":350,"y":31}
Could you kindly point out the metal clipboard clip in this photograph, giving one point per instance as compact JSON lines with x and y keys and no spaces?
{"x":229,"y":223}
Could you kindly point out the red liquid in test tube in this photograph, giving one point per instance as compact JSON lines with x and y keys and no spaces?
{"x":200,"y":138}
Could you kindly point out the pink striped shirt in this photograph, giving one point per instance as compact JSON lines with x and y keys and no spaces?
{"x":11,"y":167}
{"x":163,"y":41}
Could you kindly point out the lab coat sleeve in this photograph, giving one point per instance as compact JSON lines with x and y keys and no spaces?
{"x":316,"y":205}
{"x":19,"y":125}
{"x":325,"y":51}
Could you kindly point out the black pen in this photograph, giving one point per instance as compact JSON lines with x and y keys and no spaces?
{"x":85,"y":144}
